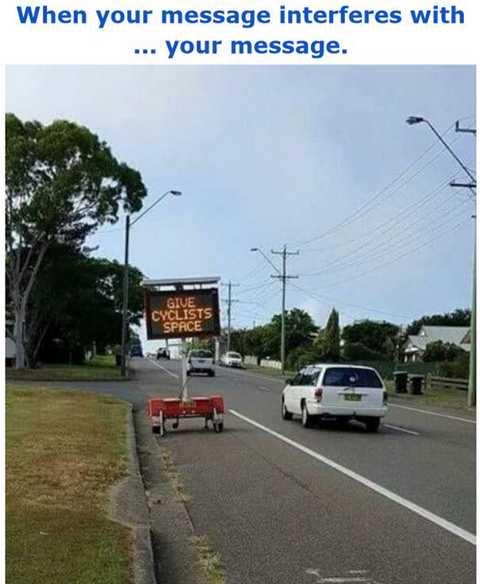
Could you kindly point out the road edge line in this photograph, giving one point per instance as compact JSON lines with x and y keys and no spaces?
{"x":447,"y":525}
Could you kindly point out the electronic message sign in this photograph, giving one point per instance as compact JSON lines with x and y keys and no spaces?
{"x":182,"y":313}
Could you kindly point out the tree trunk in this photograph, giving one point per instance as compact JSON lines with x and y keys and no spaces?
{"x":18,"y":332}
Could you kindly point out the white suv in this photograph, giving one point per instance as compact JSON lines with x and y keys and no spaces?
{"x":200,"y":361}
{"x":231,"y":359}
{"x":343,"y":392}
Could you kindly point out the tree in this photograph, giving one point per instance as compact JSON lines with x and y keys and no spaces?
{"x":331,"y":338}
{"x":70,"y":313}
{"x":369,"y":339}
{"x":62,"y":182}
{"x":440,"y":351}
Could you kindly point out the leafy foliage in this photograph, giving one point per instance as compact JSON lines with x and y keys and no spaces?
{"x":78,"y":302}
{"x":62,"y":182}
{"x":440,"y":351}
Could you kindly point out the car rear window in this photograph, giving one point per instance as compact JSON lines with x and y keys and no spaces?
{"x":351,"y":377}
{"x":234,"y":355}
{"x":202,"y":354}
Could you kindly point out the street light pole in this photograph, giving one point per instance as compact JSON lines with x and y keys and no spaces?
{"x":472,"y":380}
{"x":128,"y":226}
{"x":125,"y":298}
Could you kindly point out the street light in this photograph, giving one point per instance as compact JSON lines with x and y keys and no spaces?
{"x":472,"y":388}
{"x":128,"y":225}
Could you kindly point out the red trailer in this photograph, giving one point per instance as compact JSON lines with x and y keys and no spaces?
{"x":210,"y":408}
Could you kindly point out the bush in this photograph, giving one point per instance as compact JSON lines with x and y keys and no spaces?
{"x":359,"y":351}
{"x":303,"y":356}
{"x":458,"y":369}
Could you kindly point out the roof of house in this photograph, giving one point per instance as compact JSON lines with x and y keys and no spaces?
{"x":457,"y":335}
{"x":447,"y":334}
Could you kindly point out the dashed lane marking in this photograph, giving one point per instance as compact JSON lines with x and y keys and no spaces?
{"x":443,"y":523}
{"x":402,"y":430}
{"x":448,"y":416}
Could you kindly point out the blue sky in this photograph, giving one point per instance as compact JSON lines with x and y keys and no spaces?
{"x":274,"y":155}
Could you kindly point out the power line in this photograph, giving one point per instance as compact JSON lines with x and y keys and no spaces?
{"x":400,"y":256}
{"x":377,"y":199}
{"x":376,"y":250}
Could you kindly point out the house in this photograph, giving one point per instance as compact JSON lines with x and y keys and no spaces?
{"x":416,"y":344}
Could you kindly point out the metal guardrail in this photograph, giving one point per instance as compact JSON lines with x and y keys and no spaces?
{"x":436,"y":381}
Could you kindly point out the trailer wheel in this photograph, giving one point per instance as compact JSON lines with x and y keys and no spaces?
{"x":156,"y":429}
{"x":218,"y":427}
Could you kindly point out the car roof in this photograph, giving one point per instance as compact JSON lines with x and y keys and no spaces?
{"x":339,"y":365}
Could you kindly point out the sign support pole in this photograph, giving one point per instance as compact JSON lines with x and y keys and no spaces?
{"x":184,"y":393}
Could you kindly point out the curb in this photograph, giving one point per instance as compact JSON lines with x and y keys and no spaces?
{"x":128,"y":506}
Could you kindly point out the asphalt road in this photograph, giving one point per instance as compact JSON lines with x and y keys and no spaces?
{"x":285,"y":505}
{"x":278,"y":510}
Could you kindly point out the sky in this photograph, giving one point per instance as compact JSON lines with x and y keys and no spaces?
{"x":316,"y":157}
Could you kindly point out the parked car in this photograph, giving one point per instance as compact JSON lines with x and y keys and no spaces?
{"x":341,"y":392}
{"x":231,"y":359}
{"x":163,"y":353}
{"x":136,"y":351}
{"x":201,"y":361}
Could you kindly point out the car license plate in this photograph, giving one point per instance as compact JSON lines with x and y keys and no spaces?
{"x":353,"y":397}
{"x":201,"y":361}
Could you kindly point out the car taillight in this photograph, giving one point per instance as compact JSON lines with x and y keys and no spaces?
{"x":319,"y":393}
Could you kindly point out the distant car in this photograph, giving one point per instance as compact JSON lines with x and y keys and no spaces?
{"x":136,"y":351}
{"x":163,"y":353}
{"x":201,"y":361}
{"x":333,"y":391}
{"x":231,"y":359}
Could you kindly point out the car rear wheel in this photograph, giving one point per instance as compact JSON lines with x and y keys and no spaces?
{"x":306,"y":417}
{"x":372,"y":424}
{"x":286,"y":415}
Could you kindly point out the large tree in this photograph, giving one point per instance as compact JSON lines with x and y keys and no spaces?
{"x":369,"y":339}
{"x":62,"y":182}
{"x":77,"y":301}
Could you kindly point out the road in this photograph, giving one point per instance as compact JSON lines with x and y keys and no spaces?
{"x":285,"y":504}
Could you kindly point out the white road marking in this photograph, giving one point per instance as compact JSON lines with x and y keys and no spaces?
{"x":402,"y":430}
{"x":164,"y":369}
{"x":356,"y":576}
{"x":434,"y":414}
{"x":263,"y":387}
{"x":447,"y":525}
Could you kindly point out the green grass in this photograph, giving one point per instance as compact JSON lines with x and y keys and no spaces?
{"x":100,"y":368}
{"x":209,"y":560}
{"x":64,"y":451}
{"x":441,"y":397}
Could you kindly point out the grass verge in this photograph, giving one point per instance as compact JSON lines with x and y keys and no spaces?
{"x":209,"y":560}
{"x":64,"y":451}
{"x":100,"y":368}
{"x":269,"y":372}
{"x":441,"y":397}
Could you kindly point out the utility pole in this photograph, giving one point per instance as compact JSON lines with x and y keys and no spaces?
{"x":230,"y":300}
{"x":284,"y":277}
{"x":472,"y":374}
{"x":472,"y":186}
